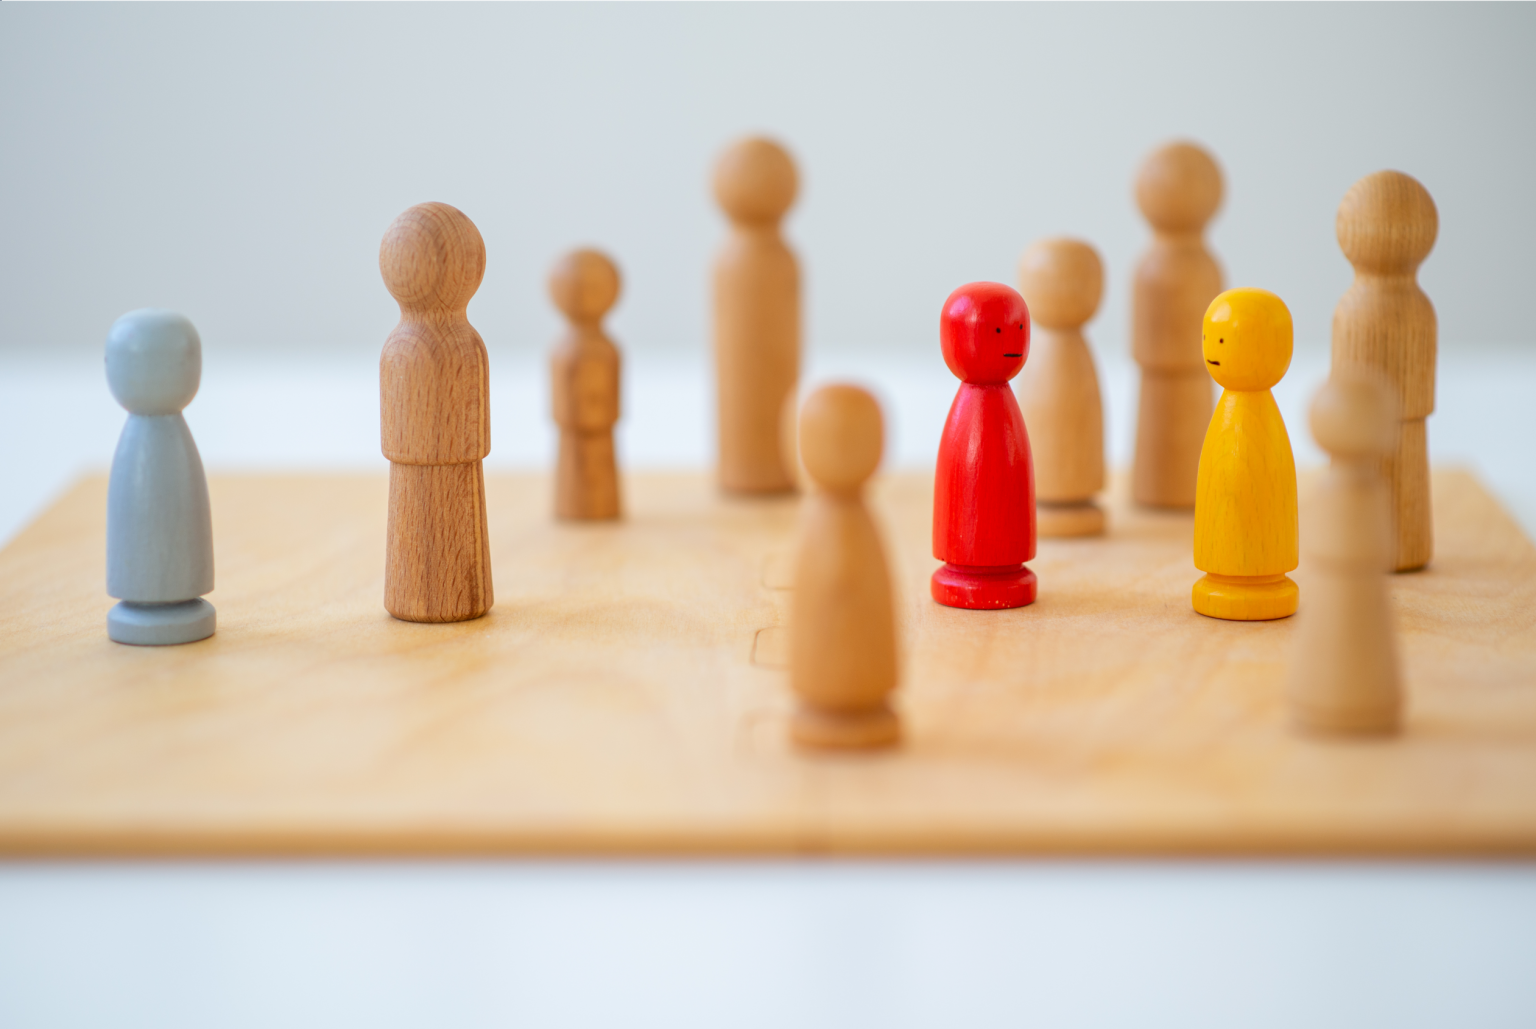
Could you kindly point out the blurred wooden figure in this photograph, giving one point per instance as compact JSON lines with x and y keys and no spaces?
{"x":1386,"y":226}
{"x":1245,"y":499}
{"x":1178,"y":190}
{"x":1343,"y":675}
{"x":584,"y":384}
{"x":843,"y":626}
{"x":757,"y":317}
{"x":436,"y":419}
{"x":1061,"y":281}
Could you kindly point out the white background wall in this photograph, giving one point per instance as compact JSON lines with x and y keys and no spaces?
{"x":240,"y":163}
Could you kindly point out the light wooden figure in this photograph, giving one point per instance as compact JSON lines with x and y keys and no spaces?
{"x":1178,"y":190}
{"x":435,"y":417}
{"x":1245,"y":499}
{"x":757,"y":317}
{"x":842,"y":627}
{"x":1343,"y":675}
{"x":1386,"y":227}
{"x":1061,"y":281}
{"x":584,"y":382}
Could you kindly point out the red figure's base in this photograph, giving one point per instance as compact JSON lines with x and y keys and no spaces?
{"x":984,"y":588}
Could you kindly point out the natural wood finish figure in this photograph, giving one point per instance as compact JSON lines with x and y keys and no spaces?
{"x":757,"y":317}
{"x":1344,"y":670}
{"x":1178,"y":190}
{"x":843,"y":625}
{"x":584,"y":383}
{"x":435,"y":415}
{"x":1386,"y":227}
{"x":1061,"y":281}
{"x":1245,"y":500}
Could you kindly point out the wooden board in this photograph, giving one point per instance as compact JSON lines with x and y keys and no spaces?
{"x":620,"y":697}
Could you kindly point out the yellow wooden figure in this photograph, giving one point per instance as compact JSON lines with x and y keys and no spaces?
{"x":1245,"y":498}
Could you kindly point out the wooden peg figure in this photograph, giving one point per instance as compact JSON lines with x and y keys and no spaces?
{"x":1178,"y":190}
{"x":984,"y":482}
{"x":1061,"y":281}
{"x":757,"y":317}
{"x":1343,"y":676}
{"x":1386,"y":226}
{"x":436,"y":420}
{"x":843,"y":626}
{"x":1245,"y":501}
{"x":584,"y":377}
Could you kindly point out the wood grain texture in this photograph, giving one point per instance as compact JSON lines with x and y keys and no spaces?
{"x":842,"y":663}
{"x":608,"y":703}
{"x":1178,"y":189}
{"x":1384,"y":323}
{"x":584,"y":388}
{"x":1062,"y":281}
{"x":756,"y":317}
{"x":435,"y":419}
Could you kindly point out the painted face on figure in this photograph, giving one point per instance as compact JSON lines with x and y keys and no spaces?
{"x":984,"y":333}
{"x":1246,"y":339}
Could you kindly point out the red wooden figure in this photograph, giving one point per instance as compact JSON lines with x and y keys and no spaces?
{"x":984,"y":486}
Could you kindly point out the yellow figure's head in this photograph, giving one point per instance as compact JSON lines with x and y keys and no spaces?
{"x":1246,"y":337}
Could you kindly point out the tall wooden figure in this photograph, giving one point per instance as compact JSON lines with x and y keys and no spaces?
{"x":757,"y":317}
{"x":842,"y":658}
{"x":436,"y":420}
{"x":1245,"y":502}
{"x":984,"y":485}
{"x":584,"y":381}
{"x":1386,"y":227}
{"x":1062,"y":280}
{"x":1178,"y":190}
{"x":1343,"y":675}
{"x":159,"y":524}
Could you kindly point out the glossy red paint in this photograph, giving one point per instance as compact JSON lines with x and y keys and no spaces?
{"x":984,"y":484}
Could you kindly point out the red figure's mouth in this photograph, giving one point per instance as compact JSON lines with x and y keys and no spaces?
{"x":1013,"y":355}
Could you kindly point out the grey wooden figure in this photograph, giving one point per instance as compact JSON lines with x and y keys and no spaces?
{"x":159,"y":528}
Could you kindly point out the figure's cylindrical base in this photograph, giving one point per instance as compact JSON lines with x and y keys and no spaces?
{"x":1059,"y":521}
{"x":160,"y":625}
{"x":1246,"y":598}
{"x":984,"y":588}
{"x":846,"y":730}
{"x":437,"y":558}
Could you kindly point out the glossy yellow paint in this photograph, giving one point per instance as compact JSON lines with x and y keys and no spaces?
{"x":1245,"y":498}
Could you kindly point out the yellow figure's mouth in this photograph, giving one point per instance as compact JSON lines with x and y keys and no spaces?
{"x":1216,"y":363}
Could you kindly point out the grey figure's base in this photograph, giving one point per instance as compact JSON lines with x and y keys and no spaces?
{"x":159,"y":625}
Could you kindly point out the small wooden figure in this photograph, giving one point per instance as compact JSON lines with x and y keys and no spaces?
{"x":159,"y":525}
{"x":757,"y":317}
{"x":1344,"y":670}
{"x":1245,"y":503}
{"x":984,"y":485}
{"x":1178,"y":190}
{"x":843,"y":626}
{"x":1061,"y":281}
{"x":436,"y":420}
{"x":584,"y":379}
{"x":1386,"y":227}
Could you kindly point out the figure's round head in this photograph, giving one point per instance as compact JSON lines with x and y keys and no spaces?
{"x":584,"y":284}
{"x":432,"y":258}
{"x":1061,"y":281}
{"x":154,"y":361}
{"x":1246,"y":337}
{"x":755,"y":181}
{"x":1387,"y":223}
{"x":984,"y":332}
{"x":1178,"y":187}
{"x":841,"y":437}
{"x":1355,"y":415}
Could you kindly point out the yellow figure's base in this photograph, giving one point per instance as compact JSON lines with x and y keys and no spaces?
{"x":1246,"y":598}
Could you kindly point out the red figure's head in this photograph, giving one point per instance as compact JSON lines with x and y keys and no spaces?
{"x":984,"y":331}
